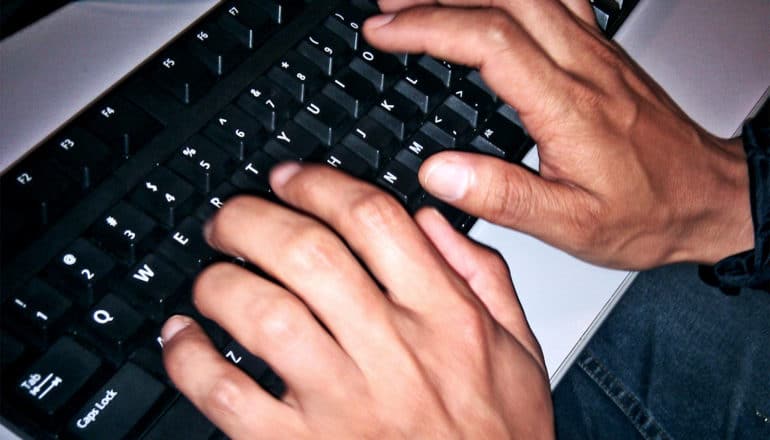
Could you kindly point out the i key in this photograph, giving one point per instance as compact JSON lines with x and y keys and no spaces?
{"x":351,"y":91}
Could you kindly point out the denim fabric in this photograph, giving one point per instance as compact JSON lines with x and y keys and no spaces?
{"x":675,"y":359}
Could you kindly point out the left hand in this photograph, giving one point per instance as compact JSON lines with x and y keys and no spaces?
{"x":441,"y":350}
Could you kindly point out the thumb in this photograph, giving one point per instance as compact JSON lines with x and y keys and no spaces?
{"x":506,"y":194}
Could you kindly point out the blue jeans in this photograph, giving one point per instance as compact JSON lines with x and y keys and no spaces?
{"x":675,"y":359}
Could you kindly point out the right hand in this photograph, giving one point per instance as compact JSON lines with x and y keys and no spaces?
{"x":626,"y":179}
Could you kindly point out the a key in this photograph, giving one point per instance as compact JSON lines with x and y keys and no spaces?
{"x":352,"y":92}
{"x":215,"y":200}
{"x":236,"y":132}
{"x":324,"y":49}
{"x":122,"y":230}
{"x":247,"y":362}
{"x":57,"y":376}
{"x":186,"y":248}
{"x":152,"y":285}
{"x":324,"y":119}
{"x":84,"y":158}
{"x":270,"y":104}
{"x":297,"y":75}
{"x":396,"y":113}
{"x":448,"y":128}
{"x":379,"y":68}
{"x":215,"y":48}
{"x":121,"y":125}
{"x":164,"y":196}
{"x":253,"y":175}
{"x":37,"y":310}
{"x":372,"y":142}
{"x":501,"y":137}
{"x":399,"y":180}
{"x":342,"y":158}
{"x":292,"y":142}
{"x":82,"y":270}
{"x":421,"y":88}
{"x":181,"y":421}
{"x":179,"y":73}
{"x":201,"y":163}
{"x":114,"y":410}
{"x":246,"y":21}
{"x":115,"y":324}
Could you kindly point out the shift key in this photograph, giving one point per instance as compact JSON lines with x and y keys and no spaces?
{"x":118,"y":406}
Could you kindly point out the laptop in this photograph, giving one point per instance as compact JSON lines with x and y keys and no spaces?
{"x":710,"y":55}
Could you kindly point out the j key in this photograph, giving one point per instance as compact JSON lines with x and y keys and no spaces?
{"x":421,"y":88}
{"x":115,"y":324}
{"x":342,"y":158}
{"x":235,"y":131}
{"x":372,"y":142}
{"x":470,"y":101}
{"x":270,"y":104}
{"x":501,"y":137}
{"x":397,"y":113}
{"x":186,"y":247}
{"x":324,"y":119}
{"x":152,"y":285}
{"x":380,"y":68}
{"x":182,"y":75}
{"x":246,"y":21}
{"x":215,"y":200}
{"x":445,"y":71}
{"x":84,"y":158}
{"x":81,"y":270}
{"x":121,"y":125}
{"x":250,"y":364}
{"x":182,"y":421}
{"x":423,"y":144}
{"x":346,"y":21}
{"x":114,"y":410}
{"x":122,"y":230}
{"x":297,"y":75}
{"x":164,"y":196}
{"x":399,"y":180}
{"x":292,"y":143}
{"x":201,"y":163}
{"x":352,"y":92}
{"x":281,"y":11}
{"x":57,"y":376}
{"x":252,"y":177}
{"x":449,"y":128}
{"x":325,"y":50}
{"x":215,"y":48}
{"x":37,"y":310}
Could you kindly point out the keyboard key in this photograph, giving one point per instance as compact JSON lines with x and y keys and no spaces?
{"x":325,"y":50}
{"x":292,"y":143}
{"x":445,"y":71}
{"x":121,"y":125}
{"x":117,"y":407}
{"x":448,"y":128}
{"x":324,"y":119}
{"x":297,"y":75}
{"x":83,"y":157}
{"x":501,"y":137}
{"x":164,"y":196}
{"x":182,"y":421}
{"x":201,"y":163}
{"x":215,"y":48}
{"x":372,"y":142}
{"x":179,"y":73}
{"x":252,"y":177}
{"x":424,"y":144}
{"x":397,"y":113}
{"x":152,"y":285}
{"x":343,"y":158}
{"x":281,"y":11}
{"x":379,"y":68}
{"x":115,"y":324}
{"x":470,"y":102}
{"x":247,"y":362}
{"x":186,"y":247}
{"x":37,"y":311}
{"x":270,"y":104}
{"x":273,"y":384}
{"x":422,"y":89}
{"x":58,"y":376}
{"x":236,"y":132}
{"x":401,"y":181}
{"x":346,"y":22}
{"x":246,"y":21}
{"x":122,"y":230}
{"x":215,"y":200}
{"x":352,"y":92}
{"x":82,"y":271}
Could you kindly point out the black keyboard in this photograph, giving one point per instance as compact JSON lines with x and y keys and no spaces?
{"x":101,"y":223}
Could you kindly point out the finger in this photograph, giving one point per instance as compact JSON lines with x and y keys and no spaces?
{"x":376,"y":228}
{"x":508,"y":58}
{"x":309,"y":260}
{"x":484,"y":271}
{"x":583,"y":10}
{"x":226,"y":395}
{"x":506,"y":194}
{"x":273,"y":324}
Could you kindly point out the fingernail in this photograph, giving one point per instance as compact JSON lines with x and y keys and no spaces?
{"x":379,"y":21}
{"x":173,"y":326}
{"x":283,"y":172}
{"x":447,"y":180}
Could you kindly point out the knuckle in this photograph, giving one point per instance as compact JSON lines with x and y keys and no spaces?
{"x":471,"y":322}
{"x":312,"y":247}
{"x":506,"y":201}
{"x":277,"y":318}
{"x":498,"y":29}
{"x":375,"y":211}
{"x":223,"y":395}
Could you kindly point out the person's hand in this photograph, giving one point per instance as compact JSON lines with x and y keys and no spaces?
{"x":429,"y":342}
{"x":626,"y":178}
